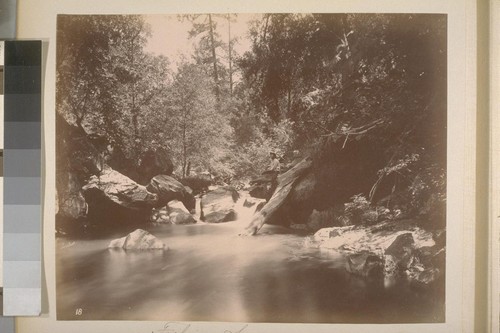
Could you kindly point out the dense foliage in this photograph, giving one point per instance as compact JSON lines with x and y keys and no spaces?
{"x":360,"y":92}
{"x":369,"y":91}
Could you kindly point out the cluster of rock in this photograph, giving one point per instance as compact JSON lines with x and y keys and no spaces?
{"x":174,"y":212}
{"x":112,"y":198}
{"x":89,"y":189}
{"x":389,"y":251}
{"x":216,"y":206}
{"x":98,"y":187}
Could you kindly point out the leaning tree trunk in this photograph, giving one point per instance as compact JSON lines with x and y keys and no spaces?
{"x":285,"y":186}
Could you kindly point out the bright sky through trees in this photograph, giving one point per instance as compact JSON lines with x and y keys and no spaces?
{"x":170,"y":36}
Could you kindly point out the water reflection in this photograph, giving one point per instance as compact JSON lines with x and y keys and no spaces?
{"x":211,"y":274}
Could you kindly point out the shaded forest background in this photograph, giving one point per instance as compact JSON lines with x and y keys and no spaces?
{"x":363,"y":95}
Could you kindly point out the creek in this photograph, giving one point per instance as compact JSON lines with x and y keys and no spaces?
{"x":209,"y":273}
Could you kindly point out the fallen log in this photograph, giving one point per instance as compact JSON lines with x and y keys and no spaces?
{"x":286,"y":182}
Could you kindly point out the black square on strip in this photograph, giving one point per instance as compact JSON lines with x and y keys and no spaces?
{"x":23,"y":53}
{"x":22,"y":79}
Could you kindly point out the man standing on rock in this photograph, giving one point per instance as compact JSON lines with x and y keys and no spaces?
{"x":274,"y":166}
{"x":274,"y":169}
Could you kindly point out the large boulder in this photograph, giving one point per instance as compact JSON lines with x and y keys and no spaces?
{"x":337,"y":169}
{"x":178,"y":214}
{"x":219,"y":205}
{"x":173,"y":213}
{"x":391,"y":250}
{"x":326,"y":234}
{"x":121,"y":190}
{"x":113,"y":198}
{"x":168,"y":189}
{"x":299,"y":204}
{"x":401,"y":250}
{"x":138,"y":240}
{"x":374,"y":238}
{"x":198,"y":183}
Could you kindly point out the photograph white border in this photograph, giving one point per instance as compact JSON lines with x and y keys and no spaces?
{"x":37,"y":20}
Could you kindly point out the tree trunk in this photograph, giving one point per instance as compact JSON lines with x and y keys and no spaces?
{"x":230,"y":56}
{"x":134,"y":108}
{"x":214,"y":59}
{"x":285,"y":186}
{"x":184,"y":147}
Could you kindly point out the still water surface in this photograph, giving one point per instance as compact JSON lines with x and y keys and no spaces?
{"x":210,"y":273}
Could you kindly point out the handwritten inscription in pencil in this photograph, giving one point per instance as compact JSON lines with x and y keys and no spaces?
{"x":172,"y":327}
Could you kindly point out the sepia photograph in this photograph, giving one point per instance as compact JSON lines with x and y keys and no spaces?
{"x":259,"y":168}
